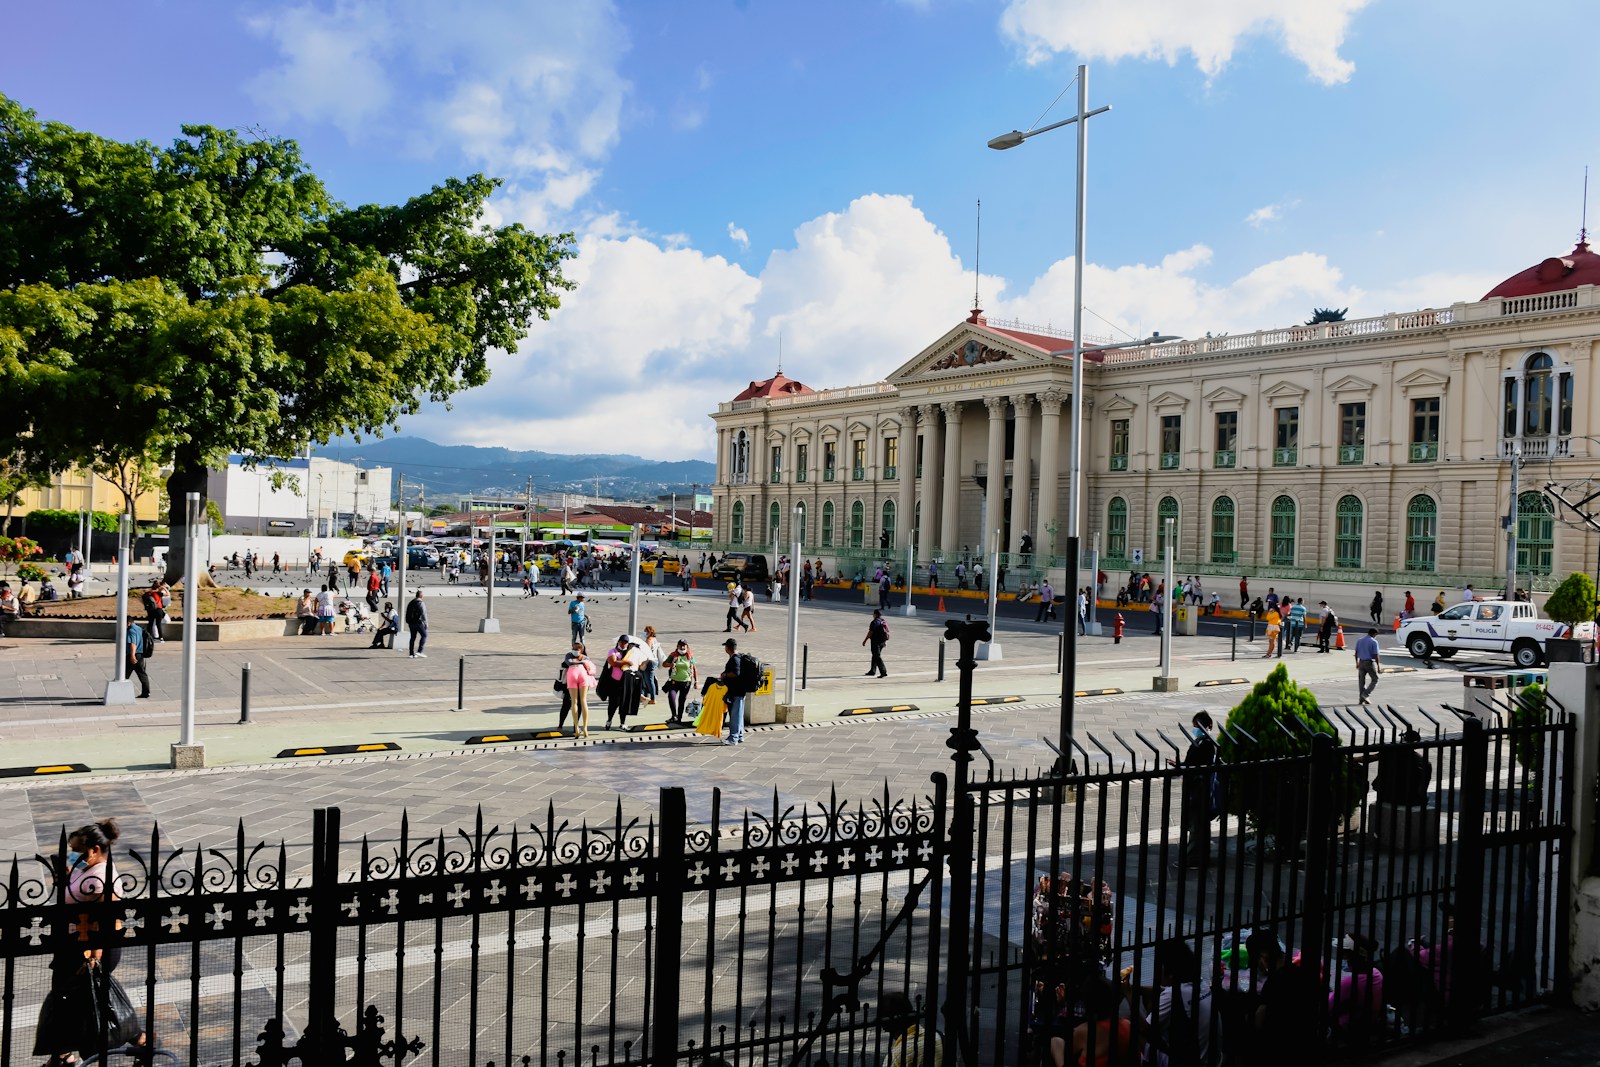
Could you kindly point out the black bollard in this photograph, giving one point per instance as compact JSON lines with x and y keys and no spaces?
{"x":941,"y":663}
{"x":1233,"y":653}
{"x":805,"y":663}
{"x":461,"y":685}
{"x":244,"y":694}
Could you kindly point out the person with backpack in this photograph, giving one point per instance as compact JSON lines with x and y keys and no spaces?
{"x":877,"y":637}
{"x":141,"y":646}
{"x":737,"y":677}
{"x":417,"y":623}
{"x":388,"y":627}
{"x":155,"y":607}
{"x":578,"y":612}
{"x":682,"y":678}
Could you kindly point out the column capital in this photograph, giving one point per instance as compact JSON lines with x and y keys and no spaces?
{"x":1050,"y":401}
{"x":997,"y":406}
{"x":929,"y":411}
{"x":952,"y":410}
{"x":908,"y":414}
{"x":1023,"y":402}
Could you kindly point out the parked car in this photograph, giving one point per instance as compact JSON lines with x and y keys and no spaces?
{"x":1510,"y":626}
{"x":741,"y":567}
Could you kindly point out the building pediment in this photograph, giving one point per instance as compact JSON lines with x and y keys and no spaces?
{"x":1224,"y":397}
{"x":1118,"y":405}
{"x":970,"y":350}
{"x":1285,"y":391}
{"x":1169,"y":400}
{"x":1424,"y":380}
{"x":1351,"y":383}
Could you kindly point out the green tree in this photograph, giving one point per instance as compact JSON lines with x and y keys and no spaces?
{"x":1573,"y":601}
{"x":1319,"y":315}
{"x":209,"y":297}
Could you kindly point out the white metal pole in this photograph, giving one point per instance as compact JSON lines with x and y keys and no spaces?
{"x":191,"y":613}
{"x":489,"y":624}
{"x":1166,"y":608}
{"x":794,"y":631}
{"x":991,"y":649}
{"x":909,"y":609}
{"x":633,"y":584}
{"x":1511,"y":527}
{"x":88,"y":530}
{"x":120,"y":689}
{"x":310,"y":523}
{"x":400,"y":566}
{"x":1091,"y":621}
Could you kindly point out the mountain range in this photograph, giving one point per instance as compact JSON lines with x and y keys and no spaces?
{"x":440,"y":471}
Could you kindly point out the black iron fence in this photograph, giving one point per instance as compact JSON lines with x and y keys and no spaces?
{"x":1417,"y":881}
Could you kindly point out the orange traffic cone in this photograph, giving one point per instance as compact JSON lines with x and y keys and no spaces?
{"x":693,"y":583}
{"x":1338,"y":643}
{"x":1397,"y":622}
{"x":941,"y":604}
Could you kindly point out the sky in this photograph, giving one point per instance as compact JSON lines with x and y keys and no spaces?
{"x":750,"y":177}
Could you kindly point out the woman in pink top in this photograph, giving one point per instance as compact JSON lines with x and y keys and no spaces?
{"x":580,"y":680}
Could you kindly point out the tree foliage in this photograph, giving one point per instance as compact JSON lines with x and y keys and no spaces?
{"x":209,"y":297}
{"x":50,"y":522}
{"x":1326,"y":315}
{"x":1573,"y":601}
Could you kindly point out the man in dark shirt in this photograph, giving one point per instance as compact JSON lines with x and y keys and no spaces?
{"x":736,"y":694}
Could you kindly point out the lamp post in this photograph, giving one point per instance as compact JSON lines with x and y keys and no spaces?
{"x":489,"y":624}
{"x":1075,"y":429}
{"x":120,"y":689}
{"x":187,"y":752}
{"x":791,"y":712}
{"x":990,"y":649}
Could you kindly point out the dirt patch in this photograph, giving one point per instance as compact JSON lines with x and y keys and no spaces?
{"x":216,"y":605}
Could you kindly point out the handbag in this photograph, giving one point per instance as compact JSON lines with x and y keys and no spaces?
{"x":89,"y":1014}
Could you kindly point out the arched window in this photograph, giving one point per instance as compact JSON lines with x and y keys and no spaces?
{"x":1283,"y":523}
{"x":1536,"y":534}
{"x":858,"y":523}
{"x":1167,"y":509}
{"x":827,"y":524}
{"x":1347,"y":532}
{"x":774,"y":523}
{"x":1422,"y":534}
{"x":1538,"y":399}
{"x":799,"y":531}
{"x":739,"y":458}
{"x":736,"y":527}
{"x":886,"y":526}
{"x":1222,"y":527}
{"x":1117,"y":528}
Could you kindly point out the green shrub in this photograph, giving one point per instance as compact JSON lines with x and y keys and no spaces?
{"x":1528,"y":710}
{"x":48,"y":522}
{"x":1573,"y":601}
{"x":1281,"y":716}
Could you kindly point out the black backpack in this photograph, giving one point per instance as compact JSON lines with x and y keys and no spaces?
{"x":147,"y":641}
{"x":751,"y":671}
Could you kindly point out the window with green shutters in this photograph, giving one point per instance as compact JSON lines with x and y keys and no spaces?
{"x":774,"y":522}
{"x":1167,"y":509}
{"x":887,"y":526}
{"x":1422,"y":534}
{"x":1119,"y":444}
{"x":827,"y":524}
{"x":1117,"y":528}
{"x":858,"y":523}
{"x":1227,"y":442}
{"x":1348,"y":517}
{"x":736,"y":524}
{"x":1283,"y":531}
{"x":799,"y":531}
{"x":1223,"y":521}
{"x":1536,"y":534}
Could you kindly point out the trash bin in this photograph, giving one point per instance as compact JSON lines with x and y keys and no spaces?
{"x":1483,"y":692}
{"x":658,"y":575}
{"x":759,"y":707}
{"x":1183,"y":620}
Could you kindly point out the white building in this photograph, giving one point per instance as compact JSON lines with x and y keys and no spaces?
{"x":286,"y":495}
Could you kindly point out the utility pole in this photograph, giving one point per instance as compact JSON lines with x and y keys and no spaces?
{"x":400,"y":564}
{"x":1511,"y":527}
{"x":527,"y":515}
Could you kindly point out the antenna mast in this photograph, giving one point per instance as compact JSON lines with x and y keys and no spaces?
{"x":977,"y":251}
{"x":1583,"y":228}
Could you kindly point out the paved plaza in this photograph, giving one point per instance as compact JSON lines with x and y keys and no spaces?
{"x":323,"y":691}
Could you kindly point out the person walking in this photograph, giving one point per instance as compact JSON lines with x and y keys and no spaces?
{"x":1367,"y":665}
{"x":877,"y":637}
{"x":747,"y":610}
{"x":1330,"y":623}
{"x":1410,"y":607}
{"x":1047,"y":602}
{"x":374,"y":588}
{"x":884,"y":585}
{"x":733,"y":609}
{"x":1157,"y":604}
{"x":682,"y":678}
{"x":155,"y":608}
{"x":1375,"y":609}
{"x":1294,"y":626}
{"x":1083,"y":610}
{"x":1244,"y":593}
{"x":139,"y":645}
{"x":1274,"y":628}
{"x":384,"y":574}
{"x":578,"y":614}
{"x":647,"y":668}
{"x":417,"y":623}
{"x":325,"y":611}
{"x":736,"y":693}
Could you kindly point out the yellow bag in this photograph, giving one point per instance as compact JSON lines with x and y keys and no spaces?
{"x":713,"y":706}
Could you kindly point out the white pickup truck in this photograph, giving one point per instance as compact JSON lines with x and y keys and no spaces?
{"x":1510,"y":626}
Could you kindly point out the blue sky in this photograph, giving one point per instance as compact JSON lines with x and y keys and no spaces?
{"x":741,"y":170}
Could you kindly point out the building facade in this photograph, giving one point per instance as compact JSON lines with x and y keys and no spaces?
{"x":1377,"y":450}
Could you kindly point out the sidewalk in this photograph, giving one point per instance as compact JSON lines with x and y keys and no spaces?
{"x":1539,"y":1037}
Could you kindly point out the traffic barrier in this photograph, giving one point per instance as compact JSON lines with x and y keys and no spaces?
{"x":519,"y":735}
{"x":43,"y":771}
{"x":1088,"y":693}
{"x":339,"y":750}
{"x":1221,"y":681}
{"x":978,"y":701}
{"x":1397,"y":670}
{"x":657,"y":727}
{"x":882,"y":709}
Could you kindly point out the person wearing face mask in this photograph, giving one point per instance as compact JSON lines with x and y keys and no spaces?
{"x":1198,"y":786}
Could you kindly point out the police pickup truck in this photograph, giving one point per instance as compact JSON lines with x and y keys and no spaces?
{"x":1510,"y":626}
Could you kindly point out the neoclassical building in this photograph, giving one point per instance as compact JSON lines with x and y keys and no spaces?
{"x":1375,"y":450}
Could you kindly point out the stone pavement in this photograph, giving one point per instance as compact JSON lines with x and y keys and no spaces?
{"x":323,"y":691}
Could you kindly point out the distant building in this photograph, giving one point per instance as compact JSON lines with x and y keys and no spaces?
{"x":70,"y":490}
{"x":286,"y":495}
{"x":1376,"y":451}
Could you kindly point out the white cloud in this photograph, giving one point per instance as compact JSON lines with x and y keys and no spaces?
{"x":1263,"y":215}
{"x":738,"y":235}
{"x":1310,"y":31}
{"x":481,"y":77}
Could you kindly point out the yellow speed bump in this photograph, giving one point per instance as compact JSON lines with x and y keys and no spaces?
{"x":40,"y":771}
{"x":1221,"y":681}
{"x":339,"y":750}
{"x":979,"y":701}
{"x":516,"y":735}
{"x":880,"y":709}
{"x":1097,"y":692}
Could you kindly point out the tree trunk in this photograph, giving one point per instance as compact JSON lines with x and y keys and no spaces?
{"x":189,"y":475}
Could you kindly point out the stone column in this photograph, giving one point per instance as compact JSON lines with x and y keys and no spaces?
{"x":906,"y":490}
{"x":1021,"y":470}
{"x":1049,"y":474}
{"x":995,"y":495}
{"x":950,"y":495}
{"x":930,"y":483}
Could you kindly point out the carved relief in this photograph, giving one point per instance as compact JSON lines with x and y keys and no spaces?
{"x":972,"y":354}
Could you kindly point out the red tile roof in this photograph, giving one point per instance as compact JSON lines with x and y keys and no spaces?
{"x":777,"y":385}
